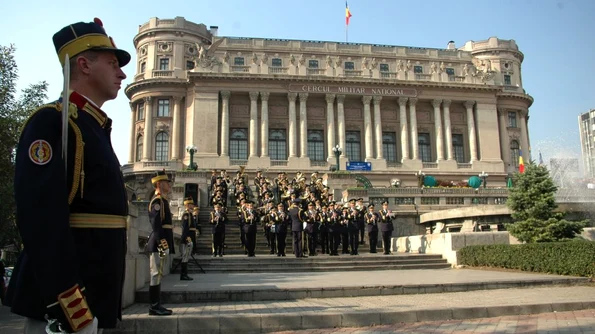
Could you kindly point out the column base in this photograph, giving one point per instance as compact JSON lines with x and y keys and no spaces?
{"x":259,"y":162}
{"x":412,"y":164}
{"x":208,"y":161}
{"x":488,"y":166}
{"x":298,"y":163}
{"x":378,"y":164}
{"x":449,"y":165}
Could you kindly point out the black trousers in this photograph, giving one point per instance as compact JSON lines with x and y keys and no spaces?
{"x":251,"y":243}
{"x":373,"y":239}
{"x":311,"y":243}
{"x":362,"y":231}
{"x":354,"y":241}
{"x":217,"y":243}
{"x":281,"y":238}
{"x":297,"y":243}
{"x":386,"y":241}
{"x":335,"y":240}
{"x":242,"y":236}
{"x":273,"y":242}
{"x":345,"y":242}
{"x":324,"y":244}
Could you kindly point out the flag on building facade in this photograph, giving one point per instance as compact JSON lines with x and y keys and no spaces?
{"x":521,"y":163}
{"x":347,"y":14}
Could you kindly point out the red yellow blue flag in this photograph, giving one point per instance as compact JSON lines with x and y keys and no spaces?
{"x":347,"y":14}
{"x":521,"y":163}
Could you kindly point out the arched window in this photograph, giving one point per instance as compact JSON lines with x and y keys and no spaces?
{"x":162,"y":146}
{"x":238,"y":144}
{"x":514,"y":154}
{"x":353,"y":145}
{"x":458,"y":148}
{"x":316,"y":145}
{"x":139,"y":148}
{"x":389,"y":146}
{"x":424,"y":147}
{"x":277,"y":144}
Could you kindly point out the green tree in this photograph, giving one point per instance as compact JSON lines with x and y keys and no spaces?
{"x":532,"y":202}
{"x":14,"y":111}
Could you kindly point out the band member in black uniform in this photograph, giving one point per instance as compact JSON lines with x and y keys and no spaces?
{"x":186,"y":245}
{"x":194,"y":228}
{"x":361,"y":221}
{"x":297,"y":219}
{"x":353,"y":229}
{"x":250,"y":219}
{"x":345,"y":218}
{"x":324,"y":218}
{"x":386,"y":227}
{"x":218,"y":220}
{"x":161,"y":240}
{"x":281,"y":222}
{"x":269,"y":221}
{"x":311,"y":218}
{"x":334,"y":230}
{"x":75,"y":250}
{"x":212,"y":186}
{"x":372,"y":220}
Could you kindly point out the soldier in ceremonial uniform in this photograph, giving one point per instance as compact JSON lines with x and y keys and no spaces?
{"x":161,"y":241}
{"x":297,"y":219}
{"x":186,"y":245}
{"x":386,"y":227}
{"x":250,"y":218}
{"x":194,"y":228}
{"x":218,"y":220}
{"x":72,"y":267}
{"x":372,"y":220}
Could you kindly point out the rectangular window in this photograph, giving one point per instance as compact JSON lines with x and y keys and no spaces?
{"x":450,"y":71}
{"x":313,"y":63}
{"x":418,"y":69}
{"x":316,"y":145}
{"x":163,"y":108}
{"x":238,"y":144}
{"x":349,"y":65}
{"x":238,"y":61}
{"x":384,"y":68}
{"x":512,"y":119}
{"x":424,"y":147}
{"x":164,"y":64}
{"x":353,"y":145}
{"x":458,"y":148}
{"x":143,"y":67}
{"x":507,"y":80}
{"x":140,"y":112}
{"x":189,"y":64}
{"x":389,"y":146}
{"x":277,"y":62}
{"x":277,"y":144}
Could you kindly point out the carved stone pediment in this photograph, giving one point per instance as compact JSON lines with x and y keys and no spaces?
{"x":165,"y":47}
{"x":162,"y":126}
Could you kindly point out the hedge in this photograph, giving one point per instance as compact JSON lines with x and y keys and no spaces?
{"x":575,"y":258}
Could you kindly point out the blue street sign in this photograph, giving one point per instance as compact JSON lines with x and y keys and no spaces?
{"x":359,"y":165}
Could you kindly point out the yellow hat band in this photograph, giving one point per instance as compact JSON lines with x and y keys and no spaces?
{"x":84,"y":43}
{"x":188,"y":202}
{"x":159,"y":178}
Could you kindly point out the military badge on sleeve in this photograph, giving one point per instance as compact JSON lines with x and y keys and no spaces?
{"x":157,"y":207}
{"x":40,"y":152}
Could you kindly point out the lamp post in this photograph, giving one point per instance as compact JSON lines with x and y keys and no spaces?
{"x":484,"y":177}
{"x":337,"y":151}
{"x":420,"y":178}
{"x":192,"y":149}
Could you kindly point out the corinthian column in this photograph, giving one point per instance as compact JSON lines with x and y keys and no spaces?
{"x":303,"y":126}
{"x":403,"y":124}
{"x":471,"y":129}
{"x":291,"y":97}
{"x":148,"y":135}
{"x":524,"y":135}
{"x":175,"y":138}
{"x":341,"y":123}
{"x":253,"y":123}
{"x":330,"y":124}
{"x":413,"y":128}
{"x":447,"y":129}
{"x":438,"y":130}
{"x":225,"y":123}
{"x":368,"y":126}
{"x":378,"y":126}
{"x":504,"y":144}
{"x":132,"y":132}
{"x":264,"y":124}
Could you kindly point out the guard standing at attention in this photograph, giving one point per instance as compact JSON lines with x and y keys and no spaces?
{"x":71,"y":271}
{"x":186,"y":245}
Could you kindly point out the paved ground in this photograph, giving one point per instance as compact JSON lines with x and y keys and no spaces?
{"x":10,"y":323}
{"x":558,"y":322}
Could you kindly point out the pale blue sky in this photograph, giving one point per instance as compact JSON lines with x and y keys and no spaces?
{"x":556,"y":36}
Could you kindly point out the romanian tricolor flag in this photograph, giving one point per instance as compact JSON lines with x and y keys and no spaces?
{"x":347,"y":14}
{"x":521,"y":163}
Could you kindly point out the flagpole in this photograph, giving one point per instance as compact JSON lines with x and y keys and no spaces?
{"x":346,"y":33}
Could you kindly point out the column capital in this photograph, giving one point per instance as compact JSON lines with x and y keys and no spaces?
{"x":176,"y":98}
{"x":330,"y":98}
{"x":132,"y":106}
{"x":436,"y":103}
{"x":264,"y":96}
{"x":412,"y":101}
{"x":291,"y":96}
{"x":377,"y":99}
{"x":225,"y":94}
{"x":446,"y":103}
{"x":253,"y":96}
{"x":403,"y":101}
{"x":366,"y":99}
{"x":303,"y":97}
{"x":147,"y":99}
{"x":340,"y":98}
{"x":469,"y":104}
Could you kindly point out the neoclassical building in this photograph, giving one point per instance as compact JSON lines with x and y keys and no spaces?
{"x":276,"y":104}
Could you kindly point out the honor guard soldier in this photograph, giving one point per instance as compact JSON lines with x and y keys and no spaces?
{"x":218,"y":220}
{"x":186,"y":244}
{"x":72,"y":270}
{"x":194,"y":228}
{"x":161,"y":241}
{"x":386,"y":227}
{"x":372,"y":220}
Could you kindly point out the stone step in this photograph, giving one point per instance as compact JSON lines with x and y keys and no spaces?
{"x":291,"y":268}
{"x":318,"y":313}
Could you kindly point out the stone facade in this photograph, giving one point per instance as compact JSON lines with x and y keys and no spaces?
{"x":285,"y":104}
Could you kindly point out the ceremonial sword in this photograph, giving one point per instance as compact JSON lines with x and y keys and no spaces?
{"x":65,"y":105}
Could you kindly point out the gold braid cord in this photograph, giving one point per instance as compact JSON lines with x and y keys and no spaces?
{"x":78,"y":172}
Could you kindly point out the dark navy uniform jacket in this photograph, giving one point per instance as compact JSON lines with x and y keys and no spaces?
{"x":372,"y":220}
{"x":386,"y":224}
{"x":297,"y":218}
{"x":57,"y":256}
{"x":162,"y":224}
{"x":186,"y":224}
{"x":249,"y":221}
{"x":220,"y":226}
